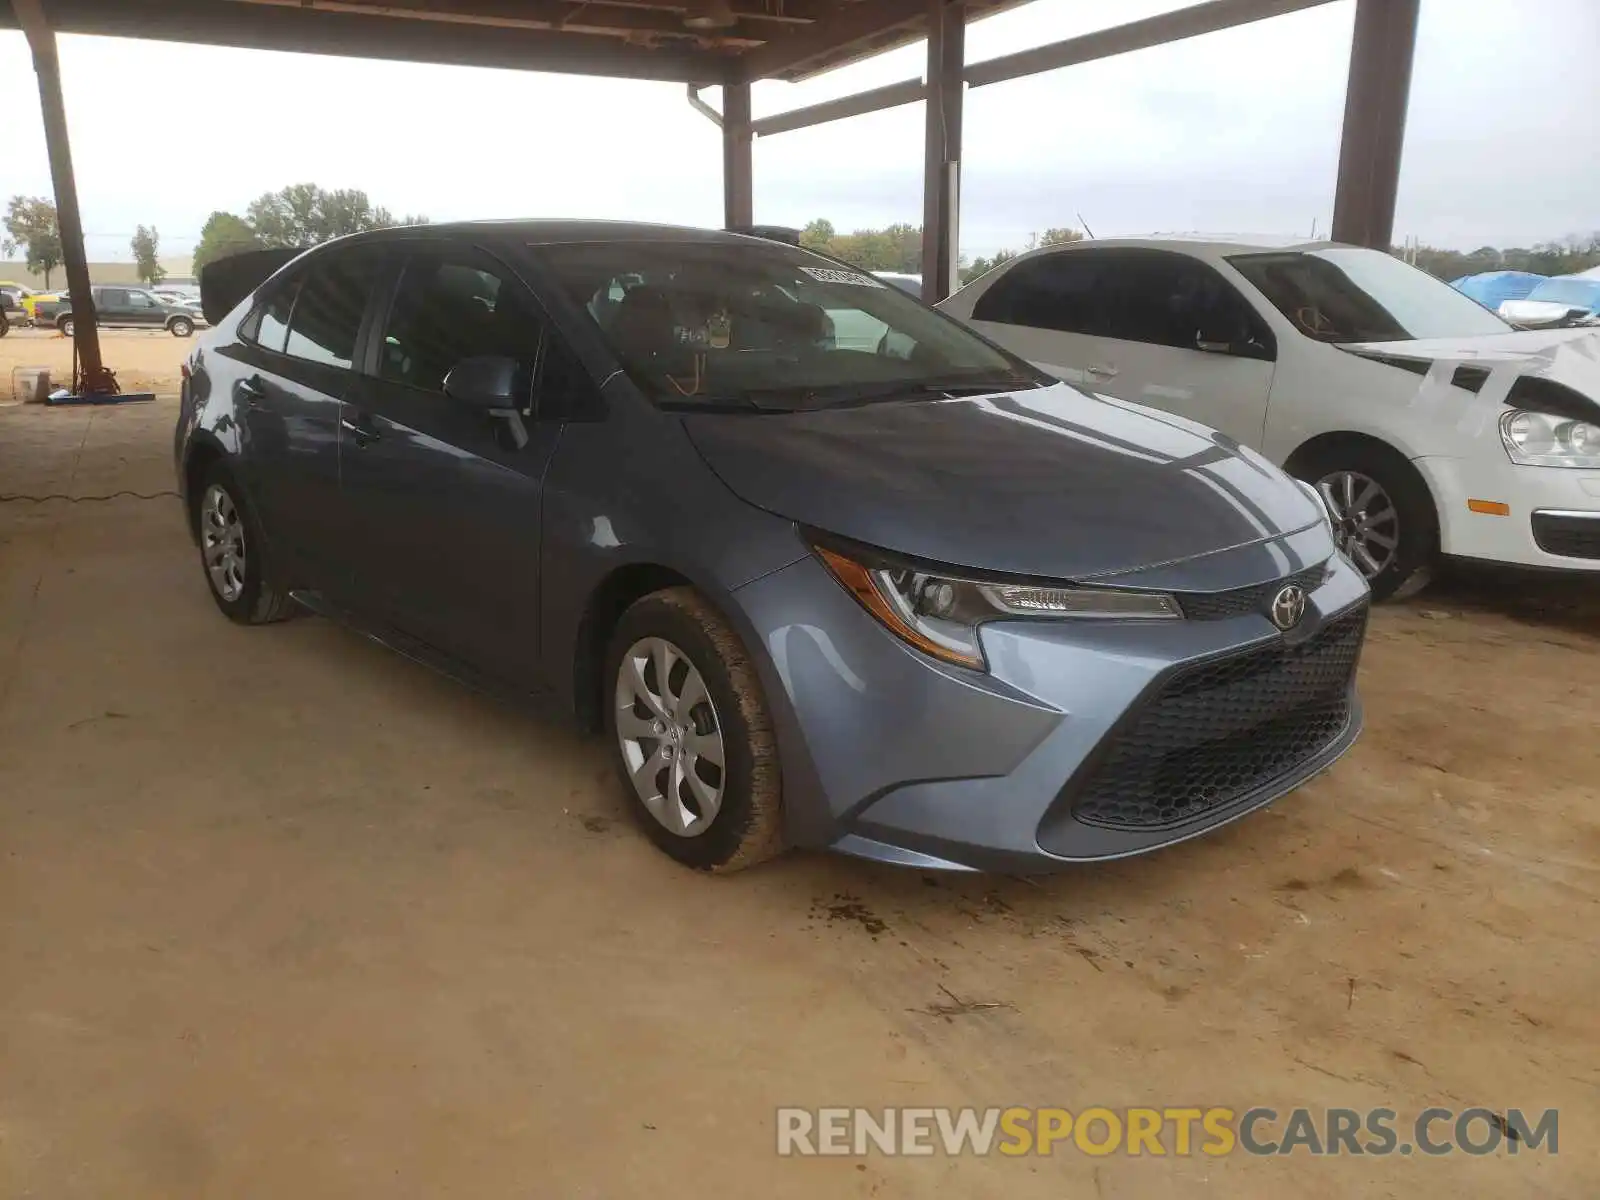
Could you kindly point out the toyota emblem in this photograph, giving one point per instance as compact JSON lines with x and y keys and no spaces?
{"x":1288,"y":606}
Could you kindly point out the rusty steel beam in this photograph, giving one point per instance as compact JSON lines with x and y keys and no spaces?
{"x":517,"y":12}
{"x":90,"y":373}
{"x":568,"y":16}
{"x":1376,"y":97}
{"x":860,"y":21}
{"x":363,"y":35}
{"x":941,"y":174}
{"x":907,"y":91}
{"x":1135,"y":35}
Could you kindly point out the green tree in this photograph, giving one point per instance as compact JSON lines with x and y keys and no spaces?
{"x":893,"y":248}
{"x":224,"y":234}
{"x":1058,"y":237}
{"x":31,"y":225}
{"x":304,"y":214}
{"x":982,"y":266}
{"x":146,"y":244}
{"x":817,"y":235}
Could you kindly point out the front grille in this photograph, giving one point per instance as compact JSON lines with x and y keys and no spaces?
{"x":1215,"y":606}
{"x":1575,"y":537}
{"x":1219,"y":730}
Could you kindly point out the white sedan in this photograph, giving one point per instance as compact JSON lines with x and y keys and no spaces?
{"x":1429,"y":425}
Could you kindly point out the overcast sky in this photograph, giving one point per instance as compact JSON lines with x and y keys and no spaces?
{"x":1233,"y":132}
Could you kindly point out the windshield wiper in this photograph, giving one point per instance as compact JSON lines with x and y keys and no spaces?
{"x":854,"y":395}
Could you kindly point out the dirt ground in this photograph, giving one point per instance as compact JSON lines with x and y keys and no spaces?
{"x":145,"y":360}
{"x":282,"y":914}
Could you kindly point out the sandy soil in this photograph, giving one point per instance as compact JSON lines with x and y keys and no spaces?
{"x":282,"y":914}
{"x":144,"y":360}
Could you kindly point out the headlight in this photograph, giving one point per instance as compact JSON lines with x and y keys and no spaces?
{"x":940,"y":614}
{"x":1541,"y":440}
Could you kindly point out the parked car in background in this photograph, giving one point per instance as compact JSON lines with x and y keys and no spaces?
{"x":31,"y":303}
{"x":1561,"y":301}
{"x":121,"y":306}
{"x":10,"y":310}
{"x":932,"y":608}
{"x":1428,"y":424}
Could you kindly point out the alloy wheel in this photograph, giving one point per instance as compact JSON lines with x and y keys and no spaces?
{"x":670,"y":736}
{"x":222,"y":542}
{"x":1366,"y":524}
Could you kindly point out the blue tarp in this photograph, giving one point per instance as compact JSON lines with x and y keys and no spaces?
{"x":1493,"y":288}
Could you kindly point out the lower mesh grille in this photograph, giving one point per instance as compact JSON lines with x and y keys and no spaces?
{"x":1575,"y":537}
{"x":1219,"y":730}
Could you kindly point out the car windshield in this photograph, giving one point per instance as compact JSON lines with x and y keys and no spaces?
{"x":1579,"y":293}
{"x":1345,"y":294}
{"x":767,"y":326}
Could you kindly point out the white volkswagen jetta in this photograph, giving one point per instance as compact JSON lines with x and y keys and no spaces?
{"x":1429,"y":425}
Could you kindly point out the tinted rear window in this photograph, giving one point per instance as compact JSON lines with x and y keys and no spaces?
{"x":327,"y":315}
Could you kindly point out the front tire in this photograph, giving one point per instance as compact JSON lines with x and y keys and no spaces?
{"x":233,"y":553}
{"x":1383,"y":516}
{"x":65,"y":326}
{"x":181,"y":327}
{"x":691,"y":734}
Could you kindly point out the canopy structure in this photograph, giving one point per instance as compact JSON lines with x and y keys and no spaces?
{"x":730,"y":44}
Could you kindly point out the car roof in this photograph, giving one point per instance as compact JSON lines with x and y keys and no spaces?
{"x":1199,"y":244}
{"x":555,"y":231}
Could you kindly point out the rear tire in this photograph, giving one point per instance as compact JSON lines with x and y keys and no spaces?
{"x":1383,"y":514}
{"x":65,"y":326}
{"x":743,"y":795}
{"x":181,"y":327}
{"x":233,"y":553}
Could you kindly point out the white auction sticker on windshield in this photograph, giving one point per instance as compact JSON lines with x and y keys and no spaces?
{"x":832,"y":275}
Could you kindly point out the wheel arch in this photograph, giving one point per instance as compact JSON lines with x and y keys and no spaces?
{"x":1338,"y":440}
{"x":608,"y":600}
{"x":203,"y":451}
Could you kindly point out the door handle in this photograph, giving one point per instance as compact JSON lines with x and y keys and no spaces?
{"x":1102,"y":372}
{"x":363,"y":434}
{"x":252,"y":392}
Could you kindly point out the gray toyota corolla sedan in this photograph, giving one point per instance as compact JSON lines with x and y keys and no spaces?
{"x":892,"y":592}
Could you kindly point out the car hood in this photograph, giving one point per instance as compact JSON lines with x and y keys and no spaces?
{"x":1046,"y":482}
{"x":1532,"y":350}
{"x":1501,"y":363}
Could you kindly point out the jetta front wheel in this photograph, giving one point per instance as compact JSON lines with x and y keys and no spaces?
{"x":691,"y":734}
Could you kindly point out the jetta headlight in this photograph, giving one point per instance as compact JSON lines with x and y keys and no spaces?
{"x":939,"y":614}
{"x":1540,"y":440}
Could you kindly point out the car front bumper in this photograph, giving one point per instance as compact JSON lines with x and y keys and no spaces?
{"x":1084,"y":740}
{"x":1572,"y":496}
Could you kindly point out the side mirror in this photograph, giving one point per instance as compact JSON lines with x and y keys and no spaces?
{"x":488,"y":384}
{"x":485,"y":383}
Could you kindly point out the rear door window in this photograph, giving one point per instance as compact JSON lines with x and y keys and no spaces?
{"x":1161,"y":298}
{"x":327,"y":315}
{"x":1063,"y":291}
{"x":268,"y":326}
